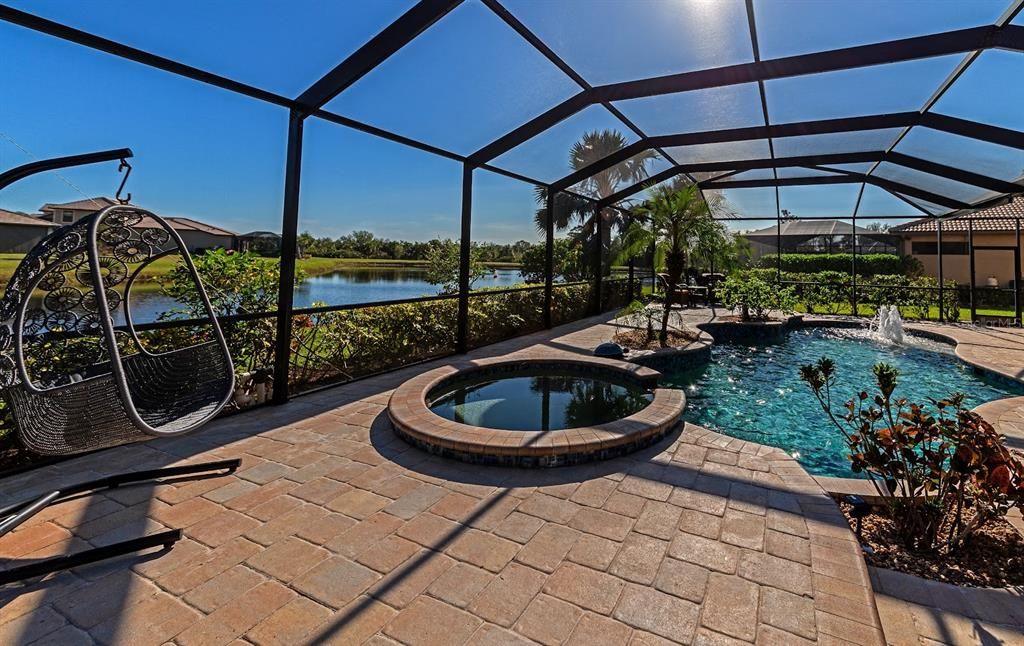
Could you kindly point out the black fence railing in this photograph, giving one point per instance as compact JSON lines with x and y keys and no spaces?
{"x":335,"y":344}
{"x":949,"y":302}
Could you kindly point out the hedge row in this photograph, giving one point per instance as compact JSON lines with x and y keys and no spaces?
{"x":831,"y":292}
{"x":868,"y":264}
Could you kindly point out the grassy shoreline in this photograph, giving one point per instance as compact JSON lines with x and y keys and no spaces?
{"x":311,"y":266}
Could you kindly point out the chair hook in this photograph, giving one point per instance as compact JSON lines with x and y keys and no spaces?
{"x":123,"y":165}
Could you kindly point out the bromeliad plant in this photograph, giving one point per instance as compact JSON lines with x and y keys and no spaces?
{"x":942,"y":470}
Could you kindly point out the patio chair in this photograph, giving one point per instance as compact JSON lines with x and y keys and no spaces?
{"x":681,"y":293}
{"x":75,"y":383}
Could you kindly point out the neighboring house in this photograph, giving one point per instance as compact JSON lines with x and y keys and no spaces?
{"x":995,"y":238}
{"x":818,"y":236}
{"x":266,"y":243}
{"x":71,"y":212}
{"x":197,"y":236}
{"x":20,"y":232}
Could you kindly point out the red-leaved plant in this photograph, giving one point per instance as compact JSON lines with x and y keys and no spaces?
{"x":929,"y":464}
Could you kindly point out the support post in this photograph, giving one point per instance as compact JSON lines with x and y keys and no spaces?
{"x":289,"y":249}
{"x":778,"y":241}
{"x":598,"y":260}
{"x":970,"y":252}
{"x":938,"y":251}
{"x":1017,"y":276}
{"x":853,"y":262}
{"x":549,"y":258}
{"x":462,"y":325}
{"x":632,"y":291}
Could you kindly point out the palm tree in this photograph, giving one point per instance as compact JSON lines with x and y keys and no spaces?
{"x":592,"y":147}
{"x":679,"y":224}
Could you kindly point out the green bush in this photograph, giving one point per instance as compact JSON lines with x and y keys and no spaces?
{"x":755,"y":297}
{"x":868,"y":264}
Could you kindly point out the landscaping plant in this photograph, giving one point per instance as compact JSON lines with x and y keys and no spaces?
{"x":941,"y":470}
{"x":755,"y":297}
{"x":680,"y":226}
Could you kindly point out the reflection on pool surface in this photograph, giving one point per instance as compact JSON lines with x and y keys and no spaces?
{"x":539,"y":402}
{"x":754,"y":392}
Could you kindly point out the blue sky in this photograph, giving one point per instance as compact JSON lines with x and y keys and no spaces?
{"x":210,"y":154}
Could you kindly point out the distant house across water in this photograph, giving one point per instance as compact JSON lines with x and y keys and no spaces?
{"x":20,"y":232}
{"x":266,"y":243}
{"x":197,"y":236}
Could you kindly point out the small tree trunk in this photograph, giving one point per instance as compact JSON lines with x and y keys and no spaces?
{"x":675,"y":263}
{"x":670,"y":297}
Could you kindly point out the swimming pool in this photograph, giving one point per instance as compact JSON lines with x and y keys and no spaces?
{"x":754,"y":392}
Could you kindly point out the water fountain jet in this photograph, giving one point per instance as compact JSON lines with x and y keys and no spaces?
{"x":888,"y":324}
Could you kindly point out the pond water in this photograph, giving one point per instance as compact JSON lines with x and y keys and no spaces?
{"x":350,"y":285}
{"x":534,"y":401}
{"x":754,"y":392}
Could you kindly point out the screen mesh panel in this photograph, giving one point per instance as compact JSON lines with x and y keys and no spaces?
{"x":659,"y":37}
{"x":462,"y":83}
{"x":279,"y":46}
{"x":880,"y":89}
{"x":932,"y":183}
{"x":732,"y":106}
{"x":792,"y":27}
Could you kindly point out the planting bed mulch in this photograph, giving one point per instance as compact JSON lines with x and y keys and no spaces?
{"x":993,"y":556}
{"x":637,"y":339}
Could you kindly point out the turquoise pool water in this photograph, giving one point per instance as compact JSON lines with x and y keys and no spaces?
{"x":754,"y":392}
{"x":539,"y":402}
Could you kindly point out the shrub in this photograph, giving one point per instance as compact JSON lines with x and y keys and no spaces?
{"x":569,"y":261}
{"x":886,"y":289}
{"x":443,"y":262}
{"x":770,"y":276}
{"x":755,"y":297}
{"x":929,"y":464}
{"x":868,"y":264}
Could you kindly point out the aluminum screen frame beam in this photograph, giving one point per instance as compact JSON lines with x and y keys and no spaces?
{"x":935,"y":121}
{"x":894,"y":51}
{"x":846,"y":178}
{"x":361,"y":62}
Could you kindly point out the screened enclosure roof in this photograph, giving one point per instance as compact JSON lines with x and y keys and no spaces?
{"x":921,"y":100}
{"x":809,"y":229}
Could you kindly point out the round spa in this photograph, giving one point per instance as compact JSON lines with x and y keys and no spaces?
{"x":535,"y":412}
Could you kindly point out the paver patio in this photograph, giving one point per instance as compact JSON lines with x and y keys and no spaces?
{"x":336,"y":531}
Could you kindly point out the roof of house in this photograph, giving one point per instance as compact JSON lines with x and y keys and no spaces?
{"x":88,"y":204}
{"x":809,"y":229}
{"x":188,"y":223}
{"x":10,"y":217}
{"x":179,"y":223}
{"x":260,"y":234}
{"x":998,"y":218}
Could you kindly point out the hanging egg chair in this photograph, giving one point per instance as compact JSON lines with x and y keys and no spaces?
{"x":74,"y":380}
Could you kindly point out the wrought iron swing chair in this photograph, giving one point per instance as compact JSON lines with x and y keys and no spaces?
{"x":75,"y":382}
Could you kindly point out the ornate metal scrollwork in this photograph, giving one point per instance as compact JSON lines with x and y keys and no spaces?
{"x":131,"y":251}
{"x":62,"y":299}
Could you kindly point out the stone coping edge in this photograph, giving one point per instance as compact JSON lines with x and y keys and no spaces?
{"x":417,"y":424}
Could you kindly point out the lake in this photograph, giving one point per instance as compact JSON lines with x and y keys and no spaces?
{"x":350,"y":285}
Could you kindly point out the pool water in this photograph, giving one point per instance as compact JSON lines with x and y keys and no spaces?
{"x":754,"y":392}
{"x":539,"y":402}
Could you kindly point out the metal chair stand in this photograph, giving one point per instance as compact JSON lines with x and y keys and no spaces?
{"x":16,"y":514}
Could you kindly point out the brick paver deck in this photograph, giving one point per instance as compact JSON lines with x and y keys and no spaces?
{"x":336,"y":531}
